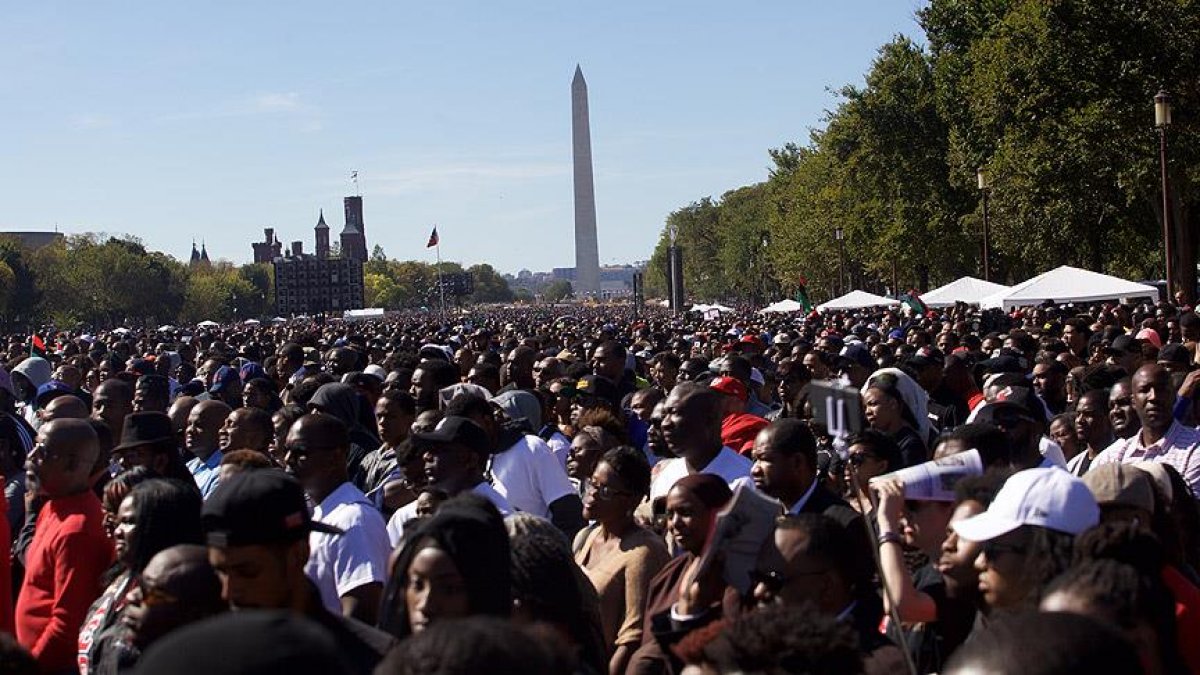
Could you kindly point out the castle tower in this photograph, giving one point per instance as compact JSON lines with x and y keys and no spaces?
{"x":353,"y":237}
{"x":322,"y":231}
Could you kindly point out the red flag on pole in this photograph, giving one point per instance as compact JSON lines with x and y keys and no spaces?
{"x":433,"y":238}
{"x":37,"y":347}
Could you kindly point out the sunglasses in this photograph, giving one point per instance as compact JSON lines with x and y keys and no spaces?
{"x":154,"y":597}
{"x":774,"y":581}
{"x":860,"y":458}
{"x":604,"y":492}
{"x":992,"y":550}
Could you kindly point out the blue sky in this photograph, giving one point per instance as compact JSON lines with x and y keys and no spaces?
{"x":172,"y":120}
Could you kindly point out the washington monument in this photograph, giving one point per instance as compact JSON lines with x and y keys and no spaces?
{"x":587,"y":256}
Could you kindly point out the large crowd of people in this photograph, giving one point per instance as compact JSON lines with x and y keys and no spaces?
{"x":591,"y":491}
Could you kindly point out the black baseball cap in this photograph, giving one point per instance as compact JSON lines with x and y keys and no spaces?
{"x":456,"y":429}
{"x":598,"y":386}
{"x":260,"y":506}
{"x":926,"y":357}
{"x":1022,"y":400}
{"x":1175,"y":353}
{"x":1123,"y":344}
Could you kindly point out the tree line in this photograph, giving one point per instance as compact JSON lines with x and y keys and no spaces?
{"x":104,"y":281}
{"x":409,"y":284}
{"x":1053,"y":99}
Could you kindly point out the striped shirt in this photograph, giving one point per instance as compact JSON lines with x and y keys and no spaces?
{"x":1179,"y":447}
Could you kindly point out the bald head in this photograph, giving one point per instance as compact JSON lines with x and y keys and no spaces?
{"x":64,"y":407}
{"x":692,"y":421}
{"x":204,"y":427}
{"x":320,"y":430}
{"x":63,"y":457}
{"x":171,"y":562}
{"x":179,"y":411}
{"x":247,"y":428}
{"x":182,"y":572}
{"x":316,"y":454}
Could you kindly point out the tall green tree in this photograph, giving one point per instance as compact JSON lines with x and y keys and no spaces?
{"x":1055,"y":98}
{"x":489,"y":285}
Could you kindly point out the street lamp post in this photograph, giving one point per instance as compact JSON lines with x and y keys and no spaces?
{"x":985,"y":186}
{"x":840,"y":236}
{"x":1162,"y":120}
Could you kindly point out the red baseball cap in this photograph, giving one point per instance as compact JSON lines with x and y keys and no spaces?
{"x":731,"y":386}
{"x":752,"y":340}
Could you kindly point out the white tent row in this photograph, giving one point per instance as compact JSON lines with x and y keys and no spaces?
{"x":1068,"y":284}
{"x":967,"y":289}
{"x":857,"y":300}
{"x":782,"y":307}
{"x":706,"y":309}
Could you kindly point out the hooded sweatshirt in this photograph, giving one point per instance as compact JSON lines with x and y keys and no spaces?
{"x":343,"y":402}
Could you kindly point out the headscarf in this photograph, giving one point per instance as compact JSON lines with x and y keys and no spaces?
{"x":911,"y":394}
{"x":342,"y":401}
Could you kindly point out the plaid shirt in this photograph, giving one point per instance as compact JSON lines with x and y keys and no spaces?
{"x":1180,"y":448}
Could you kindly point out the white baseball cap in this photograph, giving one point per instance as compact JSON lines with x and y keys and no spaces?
{"x":1049,"y":498}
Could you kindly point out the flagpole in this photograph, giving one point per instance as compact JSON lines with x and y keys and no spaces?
{"x":441,"y":287}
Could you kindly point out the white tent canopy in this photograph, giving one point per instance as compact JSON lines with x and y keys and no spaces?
{"x":705,"y":309}
{"x":1068,"y":284}
{"x":782,"y":307}
{"x":967,"y":289}
{"x":857,"y":300}
{"x":208,"y":324}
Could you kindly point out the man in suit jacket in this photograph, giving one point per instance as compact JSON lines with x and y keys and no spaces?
{"x":785,"y":467}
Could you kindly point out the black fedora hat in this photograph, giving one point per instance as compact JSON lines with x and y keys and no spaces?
{"x":145,"y":428}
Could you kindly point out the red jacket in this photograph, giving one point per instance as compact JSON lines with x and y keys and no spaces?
{"x":63,"y":565}
{"x":739,"y":429}
{"x":1187,"y":615}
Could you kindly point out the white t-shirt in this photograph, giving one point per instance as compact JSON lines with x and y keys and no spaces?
{"x":1052,"y":454}
{"x":727,"y":464}
{"x":560,"y":445}
{"x":338,"y":564}
{"x":530,"y":477}
{"x":408,"y":512}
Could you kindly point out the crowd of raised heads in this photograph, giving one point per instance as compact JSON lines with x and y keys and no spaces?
{"x":590,"y":491}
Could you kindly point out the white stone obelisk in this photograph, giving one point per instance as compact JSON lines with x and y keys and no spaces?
{"x":587,"y":255}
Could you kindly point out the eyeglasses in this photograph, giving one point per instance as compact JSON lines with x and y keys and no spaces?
{"x":859,"y":458}
{"x":604,"y":492}
{"x":153,"y":597}
{"x":992,"y":550}
{"x":40,"y":451}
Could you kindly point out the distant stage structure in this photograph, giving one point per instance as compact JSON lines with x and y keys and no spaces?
{"x":587,"y":254}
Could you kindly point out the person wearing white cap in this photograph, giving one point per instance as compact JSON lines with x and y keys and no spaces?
{"x":1027,"y":533}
